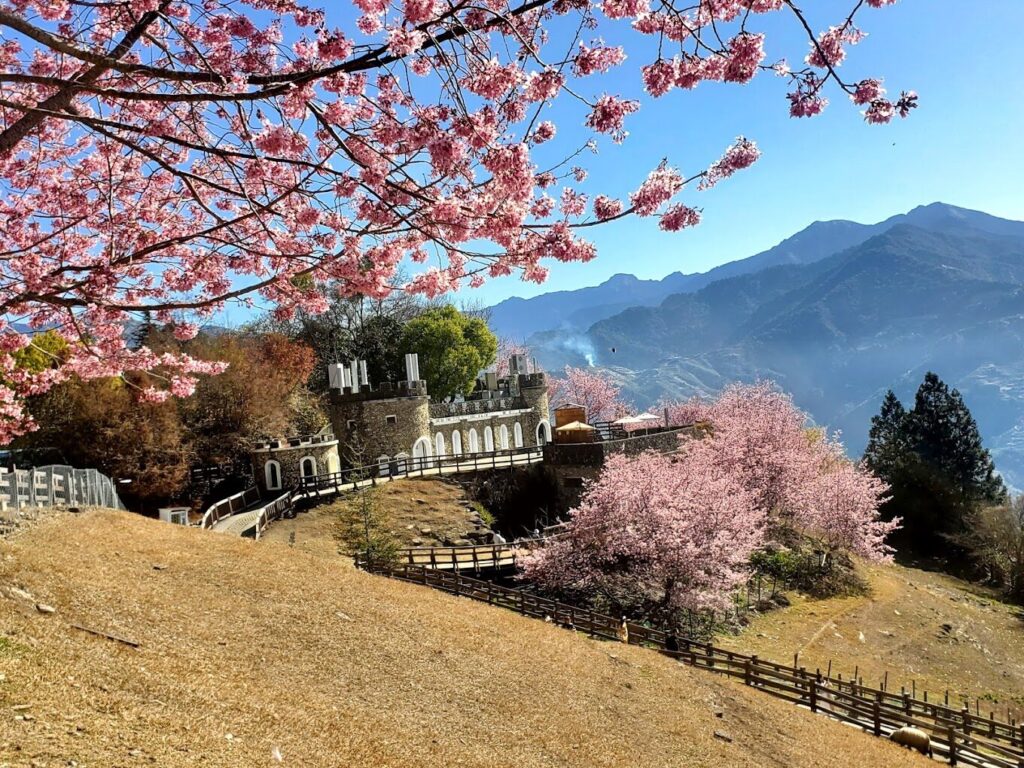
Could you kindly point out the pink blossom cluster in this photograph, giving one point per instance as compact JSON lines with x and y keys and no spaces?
{"x":590,"y":388}
{"x":742,"y":154}
{"x":264,"y":152}
{"x":658,"y":533}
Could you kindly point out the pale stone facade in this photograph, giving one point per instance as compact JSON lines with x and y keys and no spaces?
{"x":278,"y":465}
{"x":396,"y":421}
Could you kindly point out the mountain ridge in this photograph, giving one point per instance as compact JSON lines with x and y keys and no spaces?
{"x":576,"y":310}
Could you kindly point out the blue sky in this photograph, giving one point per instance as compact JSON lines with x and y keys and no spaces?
{"x":962,"y":146}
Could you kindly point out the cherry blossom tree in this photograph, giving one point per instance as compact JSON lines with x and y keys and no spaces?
{"x":655,"y":535}
{"x":659,"y":533}
{"x":844,"y":512}
{"x":683,"y":412}
{"x":169,"y":156}
{"x":593,"y":390}
{"x":799,"y":476}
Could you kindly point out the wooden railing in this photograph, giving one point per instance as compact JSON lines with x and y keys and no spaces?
{"x":229,"y":506}
{"x":420,"y":466}
{"x":276,"y":509}
{"x":959,"y":736}
{"x":475,"y":558}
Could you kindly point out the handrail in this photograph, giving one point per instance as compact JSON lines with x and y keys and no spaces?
{"x":273,"y":510}
{"x":410,"y":466}
{"x":213,"y":512}
{"x":970,"y":739}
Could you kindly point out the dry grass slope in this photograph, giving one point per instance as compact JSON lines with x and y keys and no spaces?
{"x":925,"y":627}
{"x":410,"y":504}
{"x":246,"y":647}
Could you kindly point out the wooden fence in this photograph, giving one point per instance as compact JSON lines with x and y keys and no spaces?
{"x":959,"y":736}
{"x":24,"y":490}
{"x":274,"y":510}
{"x":472,"y":558}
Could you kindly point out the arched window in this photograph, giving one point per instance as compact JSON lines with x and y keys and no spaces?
{"x":456,"y":443}
{"x":272,"y":473}
{"x":439,"y":444}
{"x":307,"y":467}
{"x":474,"y":441}
{"x":517,"y":434}
{"x":488,"y":439}
{"x":503,"y":438}
{"x":333,"y":466}
{"x":543,"y":433}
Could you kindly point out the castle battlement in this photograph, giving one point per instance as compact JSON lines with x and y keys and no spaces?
{"x":387,"y":390}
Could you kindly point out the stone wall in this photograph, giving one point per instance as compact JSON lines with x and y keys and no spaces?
{"x":448,"y":425}
{"x":571,"y":465}
{"x":365,"y":431}
{"x":289,"y":457}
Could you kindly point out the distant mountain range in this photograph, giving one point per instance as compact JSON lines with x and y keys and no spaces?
{"x":519,"y":318}
{"x":836,"y":315}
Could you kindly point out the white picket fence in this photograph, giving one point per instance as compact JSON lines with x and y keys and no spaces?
{"x":23,"y":490}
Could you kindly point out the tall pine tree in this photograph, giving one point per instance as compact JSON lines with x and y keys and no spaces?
{"x":938,"y":471}
{"x":887,"y":438}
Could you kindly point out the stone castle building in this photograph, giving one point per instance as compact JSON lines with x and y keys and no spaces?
{"x":396,"y":420}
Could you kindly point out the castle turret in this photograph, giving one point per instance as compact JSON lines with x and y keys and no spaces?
{"x":391,"y":421}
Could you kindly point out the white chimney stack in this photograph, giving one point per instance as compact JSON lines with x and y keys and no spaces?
{"x":353,"y":377}
{"x":364,"y":379}
{"x":334,"y":376}
{"x":412,"y":367}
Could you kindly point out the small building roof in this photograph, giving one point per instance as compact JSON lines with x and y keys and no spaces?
{"x":566,"y":405}
{"x":638,"y":419}
{"x":576,"y":426}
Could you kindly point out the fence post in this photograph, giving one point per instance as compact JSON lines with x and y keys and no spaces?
{"x":748,"y":676}
{"x":951,"y":736}
{"x":814,"y":695}
{"x":877,"y":714}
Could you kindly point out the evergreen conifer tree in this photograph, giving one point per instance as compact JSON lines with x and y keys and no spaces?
{"x":887,"y":438}
{"x":938,"y":471}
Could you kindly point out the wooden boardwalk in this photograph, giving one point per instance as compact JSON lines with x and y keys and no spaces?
{"x":245,"y":512}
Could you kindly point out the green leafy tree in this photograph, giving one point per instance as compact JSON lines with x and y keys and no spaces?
{"x":365,"y":529}
{"x":351,"y":327}
{"x":453,"y":349}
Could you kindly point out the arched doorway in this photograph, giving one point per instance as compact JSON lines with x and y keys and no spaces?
{"x":272,"y":474}
{"x":420,"y":453}
{"x":543,"y":433}
{"x":307,"y":467}
{"x":439,"y":445}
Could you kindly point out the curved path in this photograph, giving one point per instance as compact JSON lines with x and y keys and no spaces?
{"x":253,"y":516}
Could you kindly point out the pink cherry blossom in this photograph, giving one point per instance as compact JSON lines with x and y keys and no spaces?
{"x":171,"y":159}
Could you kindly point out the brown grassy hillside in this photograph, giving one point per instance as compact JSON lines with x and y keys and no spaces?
{"x":937,"y":630}
{"x":249,"y":647}
{"x":412,"y":505}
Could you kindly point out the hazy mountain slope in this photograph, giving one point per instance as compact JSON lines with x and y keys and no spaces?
{"x":839,"y":332}
{"x":578,"y":309}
